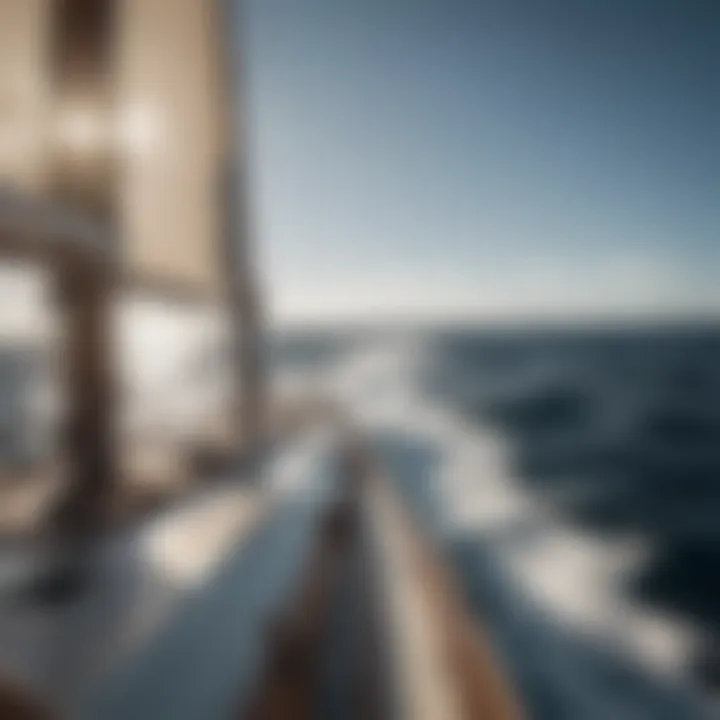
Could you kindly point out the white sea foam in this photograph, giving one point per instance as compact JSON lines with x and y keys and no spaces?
{"x":571,"y":575}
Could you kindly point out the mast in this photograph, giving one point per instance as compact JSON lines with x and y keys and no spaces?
{"x":82,"y":174}
{"x":247,"y":338}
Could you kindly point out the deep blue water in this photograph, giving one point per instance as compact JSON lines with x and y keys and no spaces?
{"x":620,"y":430}
{"x":627,"y":425}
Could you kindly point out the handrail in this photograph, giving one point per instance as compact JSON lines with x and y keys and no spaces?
{"x":442,"y":666}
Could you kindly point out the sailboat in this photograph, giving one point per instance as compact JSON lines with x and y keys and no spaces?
{"x":122,"y":171}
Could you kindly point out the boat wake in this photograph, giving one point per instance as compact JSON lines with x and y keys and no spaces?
{"x":552,"y":594}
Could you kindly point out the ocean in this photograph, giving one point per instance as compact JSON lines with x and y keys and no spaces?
{"x":572,"y":478}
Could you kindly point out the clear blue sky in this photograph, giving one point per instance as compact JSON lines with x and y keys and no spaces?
{"x":484,"y":157}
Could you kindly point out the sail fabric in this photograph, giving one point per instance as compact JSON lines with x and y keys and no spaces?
{"x":170,"y":126}
{"x":24,"y":92}
{"x":138,"y":111}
